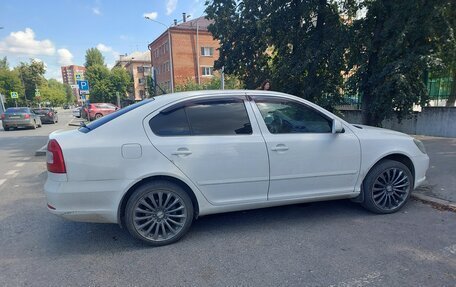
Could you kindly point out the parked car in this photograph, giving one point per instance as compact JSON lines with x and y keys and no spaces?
{"x":77,"y":112}
{"x":98,"y":110}
{"x":22,"y":117}
{"x":66,"y":106}
{"x":47,"y":115}
{"x":165,"y":161}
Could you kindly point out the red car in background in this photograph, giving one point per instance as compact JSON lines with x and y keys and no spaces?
{"x":98,"y":110}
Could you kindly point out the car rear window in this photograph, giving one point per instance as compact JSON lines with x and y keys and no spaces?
{"x":41,"y":111}
{"x":16,"y":110}
{"x":101,"y":121}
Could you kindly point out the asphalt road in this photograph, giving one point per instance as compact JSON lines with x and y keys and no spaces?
{"x":320,"y":244}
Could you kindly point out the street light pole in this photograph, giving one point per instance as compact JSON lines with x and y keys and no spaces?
{"x":170,"y":51}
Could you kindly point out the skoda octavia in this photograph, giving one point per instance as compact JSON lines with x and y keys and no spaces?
{"x":155,"y":166}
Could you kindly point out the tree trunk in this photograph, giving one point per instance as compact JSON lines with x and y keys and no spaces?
{"x":452,"y":97}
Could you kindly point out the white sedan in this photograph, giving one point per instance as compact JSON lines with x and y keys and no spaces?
{"x":155,"y":166}
{"x":77,"y":112}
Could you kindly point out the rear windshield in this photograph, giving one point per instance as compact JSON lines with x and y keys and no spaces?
{"x":16,"y":110}
{"x":41,"y":111}
{"x":101,"y":121}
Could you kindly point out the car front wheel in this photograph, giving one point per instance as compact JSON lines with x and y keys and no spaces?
{"x":387,"y":187}
{"x":159,"y":213}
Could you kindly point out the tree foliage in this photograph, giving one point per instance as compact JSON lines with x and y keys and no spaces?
{"x":215,"y":83}
{"x":32,"y":77}
{"x":299,"y":45}
{"x":310,"y":48}
{"x":10,"y":82}
{"x":392,"y":48}
{"x":105,"y":83}
{"x":53,"y":92}
{"x":93,"y":57}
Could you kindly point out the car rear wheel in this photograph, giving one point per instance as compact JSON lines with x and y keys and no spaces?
{"x":6,"y":129}
{"x":159,"y":213}
{"x":97,"y":116}
{"x":387,"y":187}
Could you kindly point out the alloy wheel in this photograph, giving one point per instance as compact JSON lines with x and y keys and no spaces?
{"x":391,"y":188}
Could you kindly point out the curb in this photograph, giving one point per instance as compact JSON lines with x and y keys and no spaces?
{"x":41,"y":151}
{"x":436,"y":202}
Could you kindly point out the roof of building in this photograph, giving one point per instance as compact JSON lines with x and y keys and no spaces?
{"x":202,"y":23}
{"x":134,"y":57}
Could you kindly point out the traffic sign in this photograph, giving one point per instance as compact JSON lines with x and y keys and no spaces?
{"x":83,"y":87}
{"x":14,"y":95}
{"x":37,"y":93}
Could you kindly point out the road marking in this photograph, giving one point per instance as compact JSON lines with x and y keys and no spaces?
{"x":451,"y":249}
{"x":19,"y":164}
{"x":2,"y":181}
{"x":11,"y":172}
{"x":367,"y":279}
{"x":26,"y":158}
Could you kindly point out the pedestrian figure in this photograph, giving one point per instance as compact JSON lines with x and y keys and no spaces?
{"x":266,"y":85}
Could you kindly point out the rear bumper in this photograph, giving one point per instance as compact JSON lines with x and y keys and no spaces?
{"x":89,"y":201}
{"x":18,"y":123}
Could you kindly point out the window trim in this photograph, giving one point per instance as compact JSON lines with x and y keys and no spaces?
{"x":253,"y":99}
{"x":189,"y":102}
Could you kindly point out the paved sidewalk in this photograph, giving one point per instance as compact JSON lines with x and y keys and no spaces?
{"x":441,"y":175}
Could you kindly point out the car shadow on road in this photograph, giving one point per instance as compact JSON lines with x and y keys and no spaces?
{"x":66,"y":238}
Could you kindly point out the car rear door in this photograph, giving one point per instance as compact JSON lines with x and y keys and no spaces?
{"x":216,"y":143}
{"x":306,"y":158}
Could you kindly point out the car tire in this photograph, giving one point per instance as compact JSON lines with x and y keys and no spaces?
{"x":97,"y":116}
{"x":6,"y":129}
{"x":387,"y":187}
{"x":159,"y":213}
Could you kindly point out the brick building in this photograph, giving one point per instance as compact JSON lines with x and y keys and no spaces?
{"x":193,"y":52}
{"x":139,"y":66}
{"x":70,"y":75}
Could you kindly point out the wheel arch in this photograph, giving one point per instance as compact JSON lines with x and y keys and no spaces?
{"x":397,"y":156}
{"x":131,"y":190}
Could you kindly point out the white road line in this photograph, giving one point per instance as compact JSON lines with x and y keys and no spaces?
{"x":19,"y":164}
{"x":2,"y":181}
{"x":11,"y":172}
{"x":26,"y":158}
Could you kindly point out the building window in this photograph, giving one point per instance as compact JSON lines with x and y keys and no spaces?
{"x":140,"y":69}
{"x":141,"y":81}
{"x":207,"y":71}
{"x":207,"y":51}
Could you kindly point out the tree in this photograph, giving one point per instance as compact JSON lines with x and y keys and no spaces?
{"x":215,"y":83}
{"x":11,"y":82}
{"x":392,"y":47}
{"x":93,"y":57}
{"x":54,"y":92}
{"x":4,"y":63}
{"x":299,"y":45}
{"x":32,"y":77}
{"x":120,"y":80}
{"x":70,"y":98}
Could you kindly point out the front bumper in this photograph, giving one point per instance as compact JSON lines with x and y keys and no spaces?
{"x":421,"y":164}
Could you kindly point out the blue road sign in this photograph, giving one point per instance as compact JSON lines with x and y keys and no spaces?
{"x":83,"y":87}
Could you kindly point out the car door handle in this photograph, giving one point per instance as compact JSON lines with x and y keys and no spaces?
{"x":182,"y":152}
{"x":280,"y":147}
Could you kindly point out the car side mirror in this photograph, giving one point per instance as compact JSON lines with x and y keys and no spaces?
{"x":337,"y":127}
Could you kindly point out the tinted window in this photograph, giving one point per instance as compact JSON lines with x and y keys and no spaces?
{"x":285,"y":116}
{"x":203,"y":117}
{"x":171,"y":122}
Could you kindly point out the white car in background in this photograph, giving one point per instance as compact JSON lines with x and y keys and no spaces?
{"x":76,"y":112}
{"x":157,"y":165}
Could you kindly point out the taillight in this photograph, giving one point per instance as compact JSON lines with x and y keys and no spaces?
{"x":3,"y":116}
{"x":27,"y":116}
{"x":55,"y":161}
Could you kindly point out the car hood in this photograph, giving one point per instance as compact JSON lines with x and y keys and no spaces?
{"x":376,"y":130}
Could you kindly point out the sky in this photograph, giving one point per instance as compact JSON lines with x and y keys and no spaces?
{"x":59,"y":32}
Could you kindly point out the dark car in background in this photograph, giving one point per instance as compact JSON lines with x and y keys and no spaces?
{"x":98,"y":110}
{"x":21,"y":117}
{"x":47,"y":115}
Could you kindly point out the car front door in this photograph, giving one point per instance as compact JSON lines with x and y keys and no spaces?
{"x":216,"y":142}
{"x":306,"y":158}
